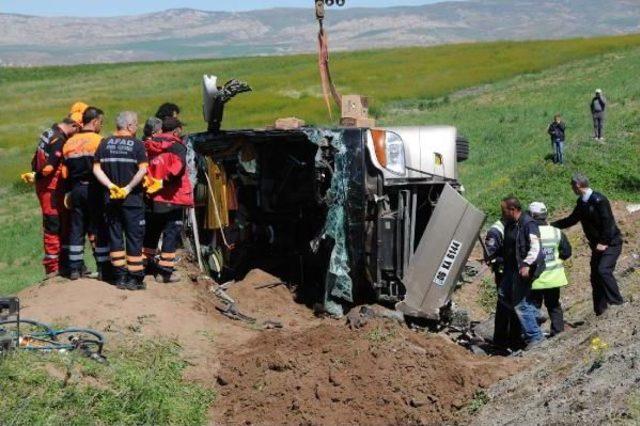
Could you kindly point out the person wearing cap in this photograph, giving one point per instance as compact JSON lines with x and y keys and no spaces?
{"x":82,"y":197}
{"x":46,"y":168}
{"x":556,"y":132}
{"x":169,"y":193}
{"x":523,"y":263}
{"x":120,"y":164}
{"x":555,"y":248}
{"x":598,"y":106}
{"x":593,"y":212}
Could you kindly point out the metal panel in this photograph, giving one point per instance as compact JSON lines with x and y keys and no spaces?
{"x":441,"y":255}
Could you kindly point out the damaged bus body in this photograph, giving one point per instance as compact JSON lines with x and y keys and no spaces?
{"x":348,"y":214}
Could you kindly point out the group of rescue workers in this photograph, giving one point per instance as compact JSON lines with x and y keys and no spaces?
{"x":527,"y":252}
{"x":124,"y":193}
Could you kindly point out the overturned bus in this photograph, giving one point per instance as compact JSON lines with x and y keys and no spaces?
{"x":349,"y":215}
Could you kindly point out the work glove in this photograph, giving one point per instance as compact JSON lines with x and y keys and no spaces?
{"x":29,"y":177}
{"x":67,"y":201}
{"x":114,"y":192}
{"x":125,"y":191}
{"x":152,"y":185}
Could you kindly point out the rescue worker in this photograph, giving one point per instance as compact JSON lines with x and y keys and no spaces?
{"x":152,"y":127}
{"x":46,"y":168}
{"x":168,"y":109}
{"x":593,"y":211}
{"x":493,"y":242}
{"x":555,"y":249}
{"x":170,"y":192}
{"x":523,"y":263}
{"x":82,"y":196}
{"x":556,"y":132}
{"x":598,"y":106}
{"x":120,"y":164}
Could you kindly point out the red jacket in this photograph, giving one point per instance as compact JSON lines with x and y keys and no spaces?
{"x":47,"y":160}
{"x":167,"y":161}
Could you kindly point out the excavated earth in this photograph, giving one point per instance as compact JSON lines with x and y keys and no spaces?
{"x":310,"y":371}
{"x":319,"y":371}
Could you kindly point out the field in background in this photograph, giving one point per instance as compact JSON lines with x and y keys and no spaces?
{"x":505,"y":123}
{"x":283,"y":86}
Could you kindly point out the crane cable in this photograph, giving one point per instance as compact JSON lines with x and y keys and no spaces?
{"x":323,"y":62}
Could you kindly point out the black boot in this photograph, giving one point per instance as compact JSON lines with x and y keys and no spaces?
{"x":133,"y":283}
{"x":106,"y":272}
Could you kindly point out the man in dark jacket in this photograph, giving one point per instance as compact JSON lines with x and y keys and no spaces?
{"x":523,"y":263}
{"x":120,"y":164}
{"x":556,"y":132}
{"x":598,"y":106}
{"x":170,"y":193}
{"x":593,"y":211}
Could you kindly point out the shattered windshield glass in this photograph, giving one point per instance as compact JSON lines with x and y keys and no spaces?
{"x":338,"y":285}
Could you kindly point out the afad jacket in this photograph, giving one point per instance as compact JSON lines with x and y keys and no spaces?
{"x":167,"y":162}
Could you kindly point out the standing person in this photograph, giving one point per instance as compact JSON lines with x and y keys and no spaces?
{"x":167,"y":110}
{"x":523,"y":263}
{"x":493,"y":243}
{"x":555,"y":248}
{"x":598,"y":106}
{"x":46,"y":168}
{"x":556,"y":131}
{"x":593,"y":211}
{"x":82,"y":196}
{"x":171,"y":194}
{"x":152,"y":127}
{"x":120,"y":164}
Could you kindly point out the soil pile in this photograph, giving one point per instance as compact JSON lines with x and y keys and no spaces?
{"x":380,"y":374}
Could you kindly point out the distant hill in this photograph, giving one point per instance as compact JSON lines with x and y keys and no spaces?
{"x":188,"y":33}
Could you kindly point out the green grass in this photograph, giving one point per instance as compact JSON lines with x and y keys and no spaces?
{"x":521,"y":86}
{"x":506,"y":123}
{"x":284,"y":86}
{"x":488,"y":294}
{"x":411,"y":85}
{"x":140,"y":385}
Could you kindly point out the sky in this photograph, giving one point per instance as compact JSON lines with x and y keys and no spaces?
{"x":132,"y":7}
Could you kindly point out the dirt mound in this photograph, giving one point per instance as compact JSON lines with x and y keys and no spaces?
{"x":329,"y":374}
{"x":262,"y":296}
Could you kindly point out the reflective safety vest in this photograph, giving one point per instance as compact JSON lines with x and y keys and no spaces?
{"x":553,"y":275}
{"x":499,"y":226}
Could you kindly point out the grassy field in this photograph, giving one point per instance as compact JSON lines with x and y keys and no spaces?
{"x":506,"y":123}
{"x":141,"y":384}
{"x":412,"y":85}
{"x":501,"y":95}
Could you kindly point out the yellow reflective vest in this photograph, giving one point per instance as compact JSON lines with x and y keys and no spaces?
{"x":553,"y":275}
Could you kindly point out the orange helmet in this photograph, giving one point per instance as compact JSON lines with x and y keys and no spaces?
{"x":76,"y":111}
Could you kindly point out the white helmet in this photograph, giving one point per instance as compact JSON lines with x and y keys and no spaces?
{"x":538,"y":209}
{"x":598,"y":91}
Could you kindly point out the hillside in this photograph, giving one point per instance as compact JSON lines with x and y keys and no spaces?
{"x":187,"y":33}
{"x":174,"y":359}
{"x":515,"y":123}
